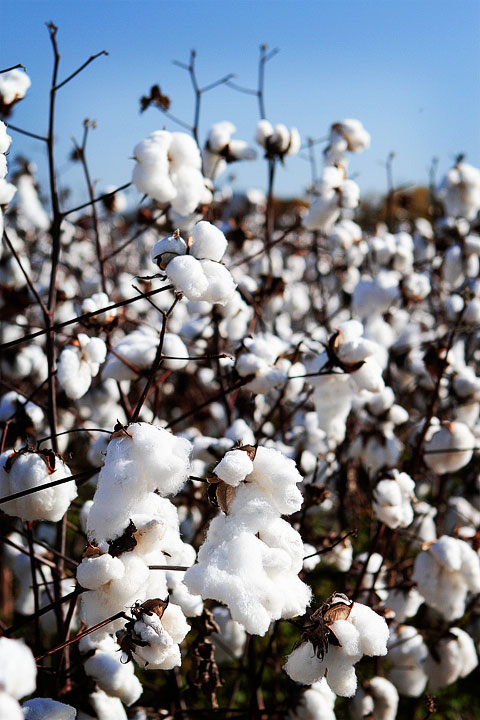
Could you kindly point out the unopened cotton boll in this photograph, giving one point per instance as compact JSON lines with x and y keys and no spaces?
{"x":48,"y":709}
{"x":18,"y":671}
{"x":449,"y":448}
{"x":25,"y":470}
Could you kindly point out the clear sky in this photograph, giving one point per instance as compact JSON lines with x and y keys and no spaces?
{"x":408,"y":69}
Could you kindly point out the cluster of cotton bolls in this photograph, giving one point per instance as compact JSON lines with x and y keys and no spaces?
{"x":358,"y":631}
{"x":195,"y":269}
{"x":255,"y":339}
{"x":334,"y":192}
{"x":251,"y":557}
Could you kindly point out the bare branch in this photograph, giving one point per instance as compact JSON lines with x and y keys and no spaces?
{"x":82,"y":67}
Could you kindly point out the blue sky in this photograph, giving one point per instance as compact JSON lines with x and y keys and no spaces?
{"x":408,"y":69}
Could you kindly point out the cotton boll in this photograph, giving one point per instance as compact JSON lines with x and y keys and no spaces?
{"x":18,"y":671}
{"x":112,"y":676}
{"x":173,"y":345}
{"x":407,"y":652}
{"x":208,"y":242}
{"x":317,"y":703}
{"x":47,"y":709}
{"x":444,"y":573}
{"x":190,"y":186}
{"x":441,"y":450}
{"x":385,"y":698}
{"x":25,"y":470}
{"x":404,"y":603}
{"x":106,"y":707}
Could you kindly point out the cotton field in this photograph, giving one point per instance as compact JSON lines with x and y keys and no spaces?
{"x":239,"y":436}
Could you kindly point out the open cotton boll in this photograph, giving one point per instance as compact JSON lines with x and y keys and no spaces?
{"x":105,"y":707}
{"x":391,"y":500}
{"x":234,"y":467}
{"x":186,"y":273}
{"x":25,"y":470}
{"x":161,"y":636}
{"x":143,"y":459}
{"x":18,"y":671}
{"x":404,"y":603}
{"x":190,"y":186}
{"x":444,"y":573}
{"x":208,"y":242}
{"x":173,"y":345}
{"x":277,"y":477}
{"x":455,"y":657}
{"x":47,"y":709}
{"x":316,"y":703}
{"x":407,"y":652}
{"x":457,"y":443}
{"x":13,"y":86}
{"x":112,"y":676}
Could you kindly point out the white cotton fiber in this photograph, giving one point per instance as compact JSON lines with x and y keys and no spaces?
{"x":28,"y":470}
{"x":18,"y":671}
{"x":47,"y":709}
{"x":93,"y":572}
{"x":208,"y":242}
{"x":234,"y":467}
{"x":187,"y":275}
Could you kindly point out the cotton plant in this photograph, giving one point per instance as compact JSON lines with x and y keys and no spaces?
{"x":460,"y":191}
{"x":336,"y":637}
{"x":221,"y":149}
{"x":251,"y":557}
{"x":195,"y":268}
{"x":347,"y":365}
{"x":143,"y":465}
{"x":168,"y":169}
{"x":445,"y":572}
{"x":79,"y":363}
{"x":25,"y":470}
